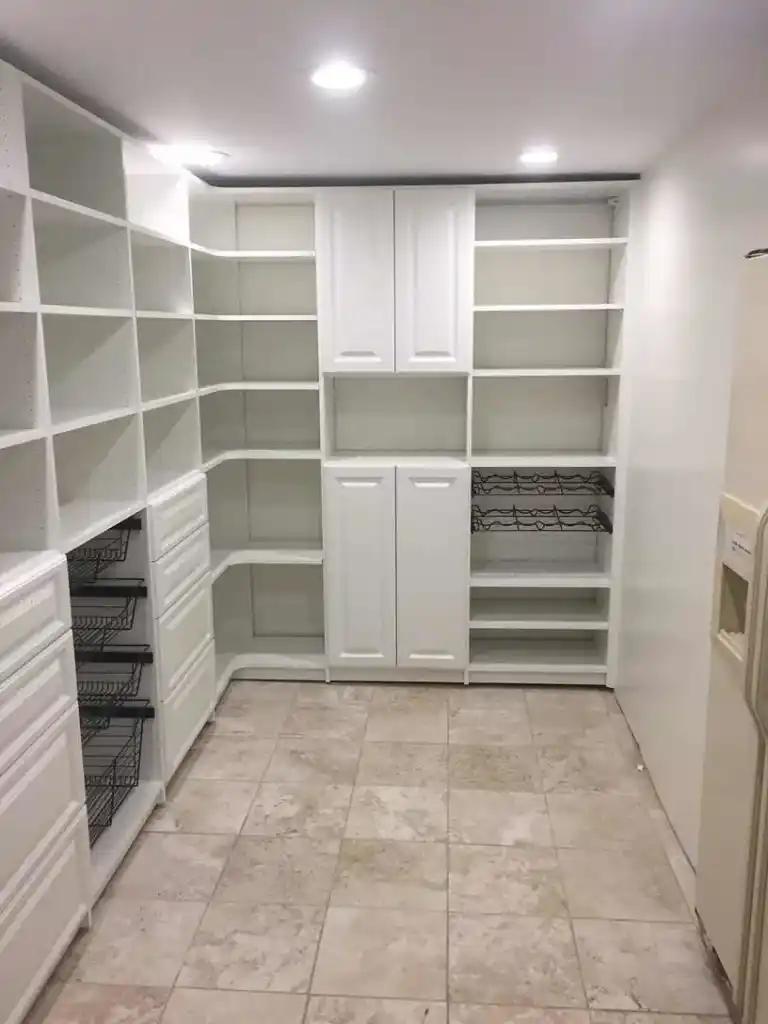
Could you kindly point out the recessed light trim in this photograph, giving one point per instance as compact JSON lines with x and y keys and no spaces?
{"x":539,"y":156}
{"x":185,"y":155}
{"x":339,"y":76}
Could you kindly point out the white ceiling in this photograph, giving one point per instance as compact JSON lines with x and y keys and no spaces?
{"x":457,"y":86}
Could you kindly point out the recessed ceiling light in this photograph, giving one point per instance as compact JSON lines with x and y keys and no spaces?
{"x":339,"y":76}
{"x":187,"y":155}
{"x":539,"y":156}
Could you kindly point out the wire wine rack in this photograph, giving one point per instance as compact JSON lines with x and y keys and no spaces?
{"x":539,"y":484}
{"x":91,"y":560}
{"x":542,"y":520}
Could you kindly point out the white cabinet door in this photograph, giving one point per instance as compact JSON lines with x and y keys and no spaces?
{"x":354,"y":239}
{"x":434,"y":273}
{"x":433,"y":567}
{"x":359,"y":541}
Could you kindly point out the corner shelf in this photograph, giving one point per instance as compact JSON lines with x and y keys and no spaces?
{"x":213,"y":458}
{"x":259,"y":317}
{"x":261,"y":385}
{"x":257,"y":255}
{"x":161,"y":274}
{"x":264,"y":553}
{"x":171,"y":443}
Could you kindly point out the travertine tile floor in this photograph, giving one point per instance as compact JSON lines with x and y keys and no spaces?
{"x":382,"y":855}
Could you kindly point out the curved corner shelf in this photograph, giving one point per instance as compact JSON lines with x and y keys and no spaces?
{"x":259,"y":317}
{"x":266,"y":553}
{"x":256,"y":255}
{"x":261,"y":385}
{"x":212,"y":459}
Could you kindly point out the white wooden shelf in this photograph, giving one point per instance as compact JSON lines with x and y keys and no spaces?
{"x":215,"y":458}
{"x":112,"y":846}
{"x":162,"y":403}
{"x":274,"y":652}
{"x":548,"y":655}
{"x":261,"y":385}
{"x":266,"y":553}
{"x":59,"y":310}
{"x":541,"y":460}
{"x":259,"y":317}
{"x":551,"y":574}
{"x":77,"y":209}
{"x":565,"y":307}
{"x":575,"y":244}
{"x":82,"y":519}
{"x":10,"y":438}
{"x":551,"y":371}
{"x":257,"y":255}
{"x":547,"y":613}
{"x":93,"y":419}
{"x":159,"y":314}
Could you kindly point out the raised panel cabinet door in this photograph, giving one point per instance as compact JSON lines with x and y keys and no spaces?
{"x":434,"y":276}
{"x":354,"y":241}
{"x":433,"y":521}
{"x":359,"y":541}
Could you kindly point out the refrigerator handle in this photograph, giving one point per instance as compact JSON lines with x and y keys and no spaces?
{"x":755,"y":680}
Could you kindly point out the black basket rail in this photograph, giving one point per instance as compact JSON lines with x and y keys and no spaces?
{"x":111,"y":675}
{"x":89,"y":561}
{"x":539,"y":484}
{"x":100,"y":611}
{"x":541,"y":520}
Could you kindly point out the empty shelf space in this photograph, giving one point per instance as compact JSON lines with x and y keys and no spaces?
{"x":261,"y":385}
{"x":280,"y":353}
{"x":261,"y":288}
{"x":266,"y":553}
{"x":81,"y":261}
{"x":215,"y":457}
{"x":256,"y":255}
{"x":25,"y":501}
{"x":277,"y":652}
{"x":171,"y":443}
{"x":72,"y":155}
{"x":161,"y":274}
{"x":544,"y":654}
{"x":166,"y":357}
{"x":550,"y":276}
{"x":20,"y":384}
{"x":542,"y":459}
{"x":575,"y":244}
{"x":554,"y":574}
{"x":537,"y":610}
{"x":270,"y":421}
{"x":16,"y":253}
{"x":91,"y":366}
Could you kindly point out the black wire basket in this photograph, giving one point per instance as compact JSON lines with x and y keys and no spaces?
{"x":91,"y":560}
{"x":539,"y":484}
{"x":110,"y":676}
{"x":540,"y":520}
{"x":112,"y":740}
{"x":100,"y":611}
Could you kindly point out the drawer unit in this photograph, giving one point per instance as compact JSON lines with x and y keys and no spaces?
{"x":185,"y":714}
{"x":174,"y":573}
{"x":36,"y":697}
{"x":39,"y":796}
{"x":183,"y":633}
{"x":34,"y":610}
{"x":176,"y":514}
{"x":37,"y":927}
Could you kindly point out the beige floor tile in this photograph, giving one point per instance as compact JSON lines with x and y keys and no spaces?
{"x":401,"y":724}
{"x":301,"y":759}
{"x":346,"y":722}
{"x":567,"y":768}
{"x":490,"y":818}
{"x":477,"y":697}
{"x":398,"y":812}
{"x":205,"y":808}
{"x":299,"y":809}
{"x":622,"y":885}
{"x":409,"y":698}
{"x":505,"y":880}
{"x":658,"y":967}
{"x":607,"y":1017}
{"x":463,"y":1013}
{"x":254,"y":949}
{"x":560,"y":716}
{"x":279,"y":870}
{"x":486,"y":727}
{"x":229,"y":758}
{"x":203,"y":1006}
{"x":172,"y":867}
{"x":515,"y":769}
{"x":395,"y":953}
{"x":376,"y":873}
{"x":340,"y":1010}
{"x":594,"y":821}
{"x":254,"y":709}
{"x":102,"y":1004}
{"x":137,"y":942}
{"x":514,"y":961}
{"x":332,"y":695}
{"x":403,"y":764}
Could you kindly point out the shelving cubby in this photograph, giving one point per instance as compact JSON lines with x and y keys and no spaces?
{"x":279,"y":424}
{"x":166,"y":358}
{"x":562,"y":656}
{"x":91,"y":367}
{"x":71,"y":154}
{"x":27,"y":504}
{"x":171,"y":443}
{"x":161,"y":274}
{"x":81,"y":261}
{"x":271,"y":353}
{"x":21,"y":383}
{"x":17,"y":261}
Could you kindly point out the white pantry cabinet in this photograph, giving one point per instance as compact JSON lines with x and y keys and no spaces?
{"x":395,"y":279}
{"x":397,"y":565}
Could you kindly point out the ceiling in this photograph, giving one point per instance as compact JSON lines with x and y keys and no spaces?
{"x":456,"y":87}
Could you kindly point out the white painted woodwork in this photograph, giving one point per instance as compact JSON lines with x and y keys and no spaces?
{"x":34,"y":610}
{"x":434,"y":265}
{"x":183,"y":632}
{"x":432,"y":566}
{"x":360,"y":590}
{"x":354,"y":232}
{"x":185,"y":714}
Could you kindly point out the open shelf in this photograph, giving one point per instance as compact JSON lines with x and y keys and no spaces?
{"x":98,"y":478}
{"x":493,"y":611}
{"x":91,"y":365}
{"x":171,"y":443}
{"x":510,"y":276}
{"x":225,"y":286}
{"x":81,"y":261}
{"x":24,"y":503}
{"x":157,"y":194}
{"x":367,"y":416}
{"x":16,"y":254}
{"x":166,"y":357}
{"x":550,"y":573}
{"x":72,"y":155}
{"x":161,"y":274}
{"x":269,"y":352}
{"x":20,"y":378}
{"x":538,"y":654}
{"x":271,"y":421}
{"x":567,"y":342}
{"x":568,"y":244}
{"x":261,"y":553}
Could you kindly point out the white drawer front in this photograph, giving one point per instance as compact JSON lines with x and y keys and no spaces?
{"x":177,"y":514}
{"x":39,"y":796}
{"x":182,"y":635}
{"x":31,"y":616}
{"x":175,"y":572}
{"x":185,"y":714}
{"x":36,"y":697}
{"x":42,"y":921}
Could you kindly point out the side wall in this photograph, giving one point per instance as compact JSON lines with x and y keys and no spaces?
{"x":698,"y":211}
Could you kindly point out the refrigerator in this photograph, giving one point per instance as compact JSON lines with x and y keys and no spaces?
{"x":732,"y":867}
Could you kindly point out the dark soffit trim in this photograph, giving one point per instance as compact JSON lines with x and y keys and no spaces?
{"x":326,"y":181}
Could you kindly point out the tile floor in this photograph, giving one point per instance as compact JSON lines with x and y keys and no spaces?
{"x":382,"y":855}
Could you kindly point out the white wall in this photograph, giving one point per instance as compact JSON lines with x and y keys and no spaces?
{"x":699,"y":210}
